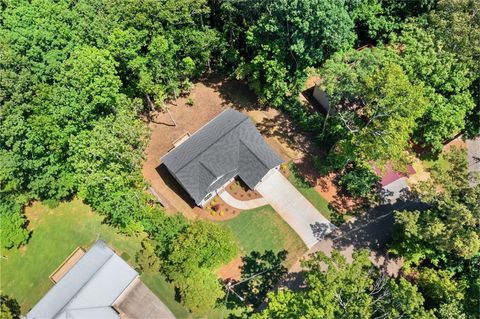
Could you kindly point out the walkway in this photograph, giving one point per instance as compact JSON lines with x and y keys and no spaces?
{"x":295,"y":209}
{"x":242,"y":204}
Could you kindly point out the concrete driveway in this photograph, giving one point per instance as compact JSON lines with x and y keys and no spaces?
{"x":295,"y":209}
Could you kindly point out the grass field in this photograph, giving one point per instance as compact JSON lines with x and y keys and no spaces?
{"x":263,"y":229}
{"x":56,"y":233}
{"x":310,"y":194}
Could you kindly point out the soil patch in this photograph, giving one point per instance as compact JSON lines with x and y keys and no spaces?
{"x":231,"y":271}
{"x":341,"y":202}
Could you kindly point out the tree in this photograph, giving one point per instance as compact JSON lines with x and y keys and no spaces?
{"x":446,"y":79}
{"x":439,"y":287}
{"x":376,"y":107}
{"x":202,"y":245}
{"x":200,"y":290}
{"x":456,"y":25}
{"x":289,"y":37}
{"x":261,"y":272}
{"x":12,"y":229}
{"x":335,"y":288}
{"x":360,"y":180}
{"x":146,"y":258}
{"x":450,"y":226}
{"x":9,"y":308}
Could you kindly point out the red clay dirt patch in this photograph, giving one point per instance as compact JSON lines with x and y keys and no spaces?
{"x":327,"y":187}
{"x":231,"y":270}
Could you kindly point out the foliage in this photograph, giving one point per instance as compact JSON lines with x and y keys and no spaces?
{"x":202,"y":245}
{"x":360,"y":180}
{"x":446,"y":79}
{"x":346,"y":290}
{"x":450,"y":225}
{"x":72,"y":85}
{"x":146,"y":258}
{"x":199,"y":290}
{"x":262,"y":272}
{"x":443,"y":241}
{"x":439,"y":287}
{"x":12,"y":231}
{"x":376,"y":107}
{"x":9,"y":308}
{"x":289,"y":37}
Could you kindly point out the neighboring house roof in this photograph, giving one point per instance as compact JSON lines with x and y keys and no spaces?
{"x":89,"y":289}
{"x":227,"y":146}
{"x":389,"y":175}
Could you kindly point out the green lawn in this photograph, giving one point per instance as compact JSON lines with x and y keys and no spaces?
{"x":310,"y":194}
{"x":441,"y":161}
{"x":263,"y":229}
{"x":56,"y":233}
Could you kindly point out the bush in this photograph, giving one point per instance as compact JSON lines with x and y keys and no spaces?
{"x":146,"y":259}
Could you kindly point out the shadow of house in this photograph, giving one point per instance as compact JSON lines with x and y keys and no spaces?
{"x":175,"y":186}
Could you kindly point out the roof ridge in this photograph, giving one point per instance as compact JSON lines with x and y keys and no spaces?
{"x":86,"y":282}
{"x":215,"y":141}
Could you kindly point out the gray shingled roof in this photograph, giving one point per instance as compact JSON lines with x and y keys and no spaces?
{"x":227,"y":146}
{"x":89,"y":288}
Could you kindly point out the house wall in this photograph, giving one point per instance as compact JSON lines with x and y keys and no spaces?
{"x":321,"y":97}
{"x":208,"y":198}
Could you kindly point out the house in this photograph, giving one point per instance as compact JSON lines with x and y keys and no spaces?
{"x":321,"y":96}
{"x":393,"y":184}
{"x":228,"y":146}
{"x":100,"y":285}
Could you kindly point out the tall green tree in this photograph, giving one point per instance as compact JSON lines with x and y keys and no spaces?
{"x":289,"y":37}
{"x":374,"y":107}
{"x":335,"y":288}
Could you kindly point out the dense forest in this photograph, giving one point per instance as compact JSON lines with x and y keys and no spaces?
{"x":77,"y":76}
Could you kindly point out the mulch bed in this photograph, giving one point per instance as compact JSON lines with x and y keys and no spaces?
{"x":239,"y":190}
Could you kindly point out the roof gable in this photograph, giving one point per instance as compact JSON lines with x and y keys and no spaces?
{"x":94,"y":282}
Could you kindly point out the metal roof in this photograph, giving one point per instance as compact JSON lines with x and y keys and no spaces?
{"x":227,"y":146}
{"x":89,"y":288}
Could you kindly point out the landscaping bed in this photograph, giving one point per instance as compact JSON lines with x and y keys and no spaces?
{"x":239,"y":190}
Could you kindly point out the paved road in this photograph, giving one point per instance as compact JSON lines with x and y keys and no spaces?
{"x":295,"y":209}
{"x":242,"y":204}
{"x":373,"y":232}
{"x":473,"y":149}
